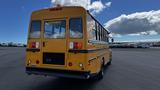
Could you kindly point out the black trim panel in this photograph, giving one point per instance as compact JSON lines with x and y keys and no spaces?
{"x":54,"y":58}
{"x":32,"y":50}
{"x":85,"y":51}
{"x":56,"y":72}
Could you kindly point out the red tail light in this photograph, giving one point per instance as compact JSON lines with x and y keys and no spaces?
{"x":77,"y":45}
{"x":55,"y":9}
{"x":34,"y":45}
{"x":37,"y":62}
{"x":69,"y":64}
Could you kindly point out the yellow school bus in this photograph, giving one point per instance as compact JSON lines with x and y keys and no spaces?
{"x":67,"y":42}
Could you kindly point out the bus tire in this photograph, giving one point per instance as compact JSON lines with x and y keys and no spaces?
{"x":100,"y":75}
{"x":109,"y":63}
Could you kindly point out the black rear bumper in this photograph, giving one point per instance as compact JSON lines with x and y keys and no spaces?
{"x":58,"y":73}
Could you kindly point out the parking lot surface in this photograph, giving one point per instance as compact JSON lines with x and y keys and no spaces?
{"x":131,"y":69}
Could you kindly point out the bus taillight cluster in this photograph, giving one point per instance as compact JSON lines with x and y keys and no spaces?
{"x":75,"y":45}
{"x":34,"y":45}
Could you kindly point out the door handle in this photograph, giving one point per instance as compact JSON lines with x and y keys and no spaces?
{"x":44,"y":44}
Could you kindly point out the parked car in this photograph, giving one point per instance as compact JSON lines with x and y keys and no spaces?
{"x":143,"y":46}
{"x":4,"y":44}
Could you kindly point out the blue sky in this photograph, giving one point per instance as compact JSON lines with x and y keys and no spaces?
{"x":15,"y":15}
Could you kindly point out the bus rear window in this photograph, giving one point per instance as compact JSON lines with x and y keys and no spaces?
{"x":55,"y":29}
{"x":35,"y":29}
{"x":75,"y":26}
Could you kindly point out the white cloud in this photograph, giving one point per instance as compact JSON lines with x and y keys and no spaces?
{"x":108,"y":4}
{"x":115,"y":35}
{"x":139,"y":23}
{"x":94,"y":7}
{"x":144,"y":33}
{"x":82,"y":3}
{"x":98,"y":6}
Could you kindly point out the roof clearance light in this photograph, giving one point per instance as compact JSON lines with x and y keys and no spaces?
{"x":55,"y":9}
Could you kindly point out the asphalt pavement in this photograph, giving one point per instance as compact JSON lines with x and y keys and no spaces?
{"x":131,"y":69}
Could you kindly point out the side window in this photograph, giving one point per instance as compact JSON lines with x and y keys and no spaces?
{"x":75,"y":27}
{"x":55,"y":29}
{"x":91,"y":28}
{"x":103,"y":35}
{"x":96,"y":31}
{"x":107,"y":38}
{"x":35,"y":29}
{"x":97,"y":26}
{"x":99,"y":32}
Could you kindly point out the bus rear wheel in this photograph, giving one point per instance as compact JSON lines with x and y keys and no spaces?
{"x":100,"y":75}
{"x":109,"y":63}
